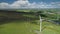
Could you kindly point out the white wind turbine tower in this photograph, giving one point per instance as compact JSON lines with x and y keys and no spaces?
{"x":40,"y":23}
{"x":40,"y":30}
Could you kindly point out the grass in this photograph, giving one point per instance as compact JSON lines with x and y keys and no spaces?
{"x":50,"y":28}
{"x":26,"y":27}
{"x":17,"y":27}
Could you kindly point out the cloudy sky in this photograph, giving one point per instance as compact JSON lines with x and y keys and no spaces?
{"x":18,"y":4}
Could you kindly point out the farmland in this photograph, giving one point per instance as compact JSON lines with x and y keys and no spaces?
{"x":27,"y":21}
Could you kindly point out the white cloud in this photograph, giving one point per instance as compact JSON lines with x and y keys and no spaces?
{"x":4,"y":5}
{"x":26,"y":4}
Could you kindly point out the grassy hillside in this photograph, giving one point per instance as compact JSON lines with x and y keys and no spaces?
{"x":27,"y":27}
{"x":15,"y":22}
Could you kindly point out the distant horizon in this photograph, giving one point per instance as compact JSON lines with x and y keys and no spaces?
{"x":30,"y":9}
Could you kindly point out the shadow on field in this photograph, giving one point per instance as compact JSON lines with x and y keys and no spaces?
{"x":9,"y":16}
{"x":5,"y":20}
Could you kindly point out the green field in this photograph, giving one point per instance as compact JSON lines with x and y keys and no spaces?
{"x":26,"y":27}
{"x":18,"y":27}
{"x":27,"y":23}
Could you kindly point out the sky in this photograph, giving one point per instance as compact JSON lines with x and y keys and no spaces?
{"x":18,"y":4}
